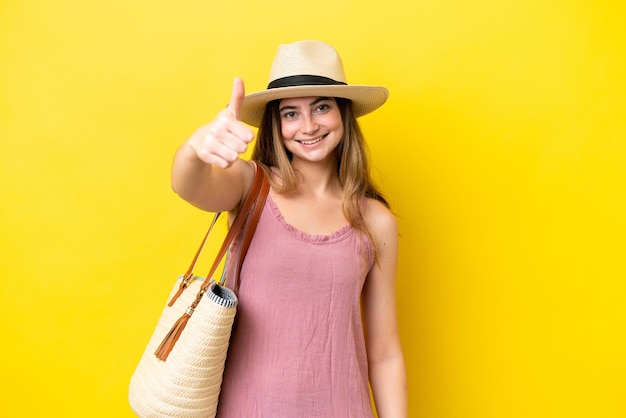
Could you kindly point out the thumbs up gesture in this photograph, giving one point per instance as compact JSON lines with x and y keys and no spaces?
{"x":222,"y":141}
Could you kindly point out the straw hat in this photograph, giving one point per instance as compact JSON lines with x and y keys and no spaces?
{"x":310,"y":68}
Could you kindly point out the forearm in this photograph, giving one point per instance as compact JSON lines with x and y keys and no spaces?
{"x":389,"y":387}
{"x":190,"y":175}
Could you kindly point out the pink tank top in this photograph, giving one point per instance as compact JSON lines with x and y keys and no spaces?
{"x":298,"y":348}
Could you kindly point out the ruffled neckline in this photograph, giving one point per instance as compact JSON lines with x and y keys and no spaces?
{"x":338,"y":235}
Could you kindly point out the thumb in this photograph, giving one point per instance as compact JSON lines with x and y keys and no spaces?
{"x":236,"y":98}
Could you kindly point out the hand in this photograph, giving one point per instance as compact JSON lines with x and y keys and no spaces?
{"x":222,"y":141}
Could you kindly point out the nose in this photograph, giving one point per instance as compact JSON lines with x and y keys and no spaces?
{"x":309,"y":124}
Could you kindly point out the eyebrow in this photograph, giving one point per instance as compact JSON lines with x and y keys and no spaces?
{"x":313,"y":103}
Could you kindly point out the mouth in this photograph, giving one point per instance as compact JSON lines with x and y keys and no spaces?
{"x":312,"y":141}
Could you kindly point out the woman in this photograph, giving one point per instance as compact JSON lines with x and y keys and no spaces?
{"x":316,"y":320}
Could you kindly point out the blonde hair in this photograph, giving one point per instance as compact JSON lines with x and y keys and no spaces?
{"x":351,"y":157}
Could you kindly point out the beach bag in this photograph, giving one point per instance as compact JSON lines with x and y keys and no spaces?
{"x":180,"y":371}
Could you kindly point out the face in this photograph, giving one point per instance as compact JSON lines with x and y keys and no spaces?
{"x":311,"y":127}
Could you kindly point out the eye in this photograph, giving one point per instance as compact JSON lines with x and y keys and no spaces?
{"x":323,"y":107}
{"x":289,"y":114}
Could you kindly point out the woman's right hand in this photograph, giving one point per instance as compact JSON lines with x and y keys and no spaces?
{"x":220,"y":142}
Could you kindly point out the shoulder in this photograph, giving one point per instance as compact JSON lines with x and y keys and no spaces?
{"x":381,"y":222}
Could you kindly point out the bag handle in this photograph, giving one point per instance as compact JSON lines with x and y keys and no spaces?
{"x":258,"y":192}
{"x":251,"y":207}
{"x":250,"y":229}
{"x":251,"y":220}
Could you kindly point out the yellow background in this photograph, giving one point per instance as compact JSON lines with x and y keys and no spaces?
{"x":502,"y":150}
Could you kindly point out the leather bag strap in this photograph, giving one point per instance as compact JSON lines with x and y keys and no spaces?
{"x":250,"y":229}
{"x":250,"y":210}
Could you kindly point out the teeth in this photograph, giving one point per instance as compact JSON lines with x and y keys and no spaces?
{"x":312,"y":141}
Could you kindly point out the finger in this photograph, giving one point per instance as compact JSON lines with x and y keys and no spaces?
{"x":236,"y":98}
{"x":241,"y":131}
{"x":218,"y":154}
{"x":227,"y":125}
{"x":232,"y":142}
{"x":221,"y":141}
{"x":217,"y":161}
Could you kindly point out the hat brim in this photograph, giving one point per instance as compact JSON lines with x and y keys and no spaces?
{"x":365,"y":99}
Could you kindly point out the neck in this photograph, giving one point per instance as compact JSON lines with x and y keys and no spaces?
{"x":319,"y":178}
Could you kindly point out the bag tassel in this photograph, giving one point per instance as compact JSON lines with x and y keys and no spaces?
{"x":170,"y":339}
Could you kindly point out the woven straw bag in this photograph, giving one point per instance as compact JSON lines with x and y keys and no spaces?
{"x":180,"y":371}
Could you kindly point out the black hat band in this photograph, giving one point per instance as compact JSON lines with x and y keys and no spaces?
{"x":304,"y":80}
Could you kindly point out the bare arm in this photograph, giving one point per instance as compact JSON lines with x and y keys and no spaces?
{"x":207,"y":171}
{"x":384,"y":351}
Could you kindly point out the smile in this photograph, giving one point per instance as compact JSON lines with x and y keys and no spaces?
{"x":311,"y":141}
